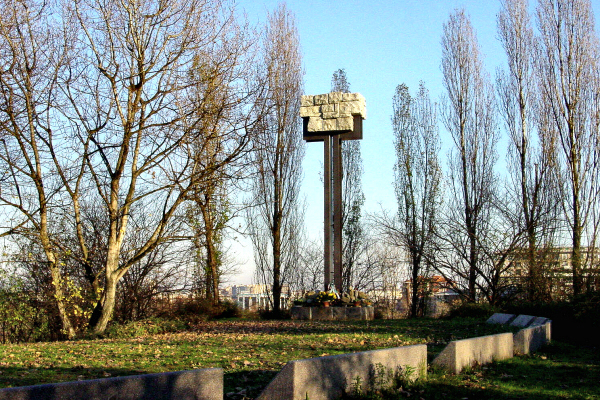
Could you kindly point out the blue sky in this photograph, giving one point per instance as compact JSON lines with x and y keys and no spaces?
{"x":380,"y":44}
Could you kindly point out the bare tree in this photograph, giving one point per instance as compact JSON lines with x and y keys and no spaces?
{"x":417,"y":184}
{"x":113,"y":121}
{"x":309,"y":272}
{"x":275,"y":222}
{"x":468,"y":113}
{"x":569,"y":83}
{"x":32,"y":57}
{"x":531,"y":190}
{"x":210,"y":209}
{"x":352,"y":195}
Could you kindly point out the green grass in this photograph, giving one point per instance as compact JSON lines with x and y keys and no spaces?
{"x":252,"y":352}
{"x":557,"y":371}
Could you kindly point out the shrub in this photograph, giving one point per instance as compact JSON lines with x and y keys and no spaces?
{"x":194,"y":310}
{"x":471,"y":310}
{"x":577,"y":320}
{"x":270,"y":314}
{"x":149,"y":326}
{"x":21,"y":317}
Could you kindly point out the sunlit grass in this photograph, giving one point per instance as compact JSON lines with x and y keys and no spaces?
{"x":250,"y":352}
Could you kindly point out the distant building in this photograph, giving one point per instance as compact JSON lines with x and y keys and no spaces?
{"x":555,"y":270}
{"x":435,"y":292}
{"x":254,"y":297}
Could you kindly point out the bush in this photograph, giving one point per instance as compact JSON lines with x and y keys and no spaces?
{"x":194,"y":310}
{"x":149,"y":326}
{"x":471,"y":310}
{"x":270,"y":314}
{"x":577,"y":320}
{"x":22,"y":319}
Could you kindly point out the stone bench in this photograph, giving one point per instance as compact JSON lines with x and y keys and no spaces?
{"x":199,"y":384}
{"x":325,"y":378}
{"x":464,"y":353}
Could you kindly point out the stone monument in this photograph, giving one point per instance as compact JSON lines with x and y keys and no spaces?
{"x":331,"y":118}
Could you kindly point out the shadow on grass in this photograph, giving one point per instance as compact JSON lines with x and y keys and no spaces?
{"x":21,"y":376}
{"x":558,"y":371}
{"x":246,"y":384}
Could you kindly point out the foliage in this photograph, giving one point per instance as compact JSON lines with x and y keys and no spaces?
{"x":146,"y":327}
{"x":471,"y":310}
{"x":347,"y":299}
{"x":417,"y":184}
{"x":326,"y":297}
{"x":276,"y":214}
{"x":21,"y":320}
{"x":353,"y":198}
{"x":195,"y":310}
{"x":384,"y":383}
{"x":576,"y":320}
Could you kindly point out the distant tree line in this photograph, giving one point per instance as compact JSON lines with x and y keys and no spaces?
{"x":474,"y":223}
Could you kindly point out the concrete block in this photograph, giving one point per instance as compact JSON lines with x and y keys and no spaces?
{"x":333,"y":111}
{"x":539,"y":321}
{"x":306,"y":100}
{"x":339,"y":313}
{"x":315,"y":124}
{"x":530,"y":339}
{"x":329,"y":124}
{"x":313,"y":111}
{"x":499,"y":318}
{"x":301,"y":313}
{"x":320,"y":99}
{"x":329,"y":108}
{"x":201,"y":384}
{"x":333,"y":313}
{"x":322,"y":313}
{"x":522,"y":321}
{"x":353,"y":108}
{"x":460,"y":354}
{"x":352,"y":96}
{"x":335,"y":97}
{"x":330,"y":377}
{"x":345,"y":124}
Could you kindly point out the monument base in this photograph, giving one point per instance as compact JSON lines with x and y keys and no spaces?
{"x":333,"y":313}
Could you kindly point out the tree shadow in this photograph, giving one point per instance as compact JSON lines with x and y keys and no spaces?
{"x":124,"y":384}
{"x":246,"y":384}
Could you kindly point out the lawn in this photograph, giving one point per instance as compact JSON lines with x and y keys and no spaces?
{"x":557,"y":371}
{"x":252,"y":352}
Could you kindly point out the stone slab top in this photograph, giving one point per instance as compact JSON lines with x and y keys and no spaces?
{"x":522,"y":321}
{"x":333,"y":111}
{"x":499,"y":318}
{"x":539,"y":321}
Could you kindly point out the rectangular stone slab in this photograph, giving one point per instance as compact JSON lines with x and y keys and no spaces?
{"x":539,"y":321}
{"x":331,"y":112}
{"x":522,"y":321}
{"x":499,"y":318}
{"x":325,"y":378}
{"x":460,"y":354}
{"x":333,"y":313}
{"x":199,"y":384}
{"x":530,"y":339}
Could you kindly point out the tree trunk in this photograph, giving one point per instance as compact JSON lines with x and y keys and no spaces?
{"x":277,"y":269}
{"x":414,"y":304}
{"x":59,"y":296}
{"x":106,"y":305}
